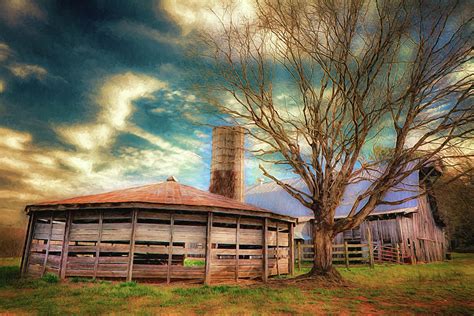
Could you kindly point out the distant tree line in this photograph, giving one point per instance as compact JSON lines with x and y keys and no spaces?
{"x":455,"y":197}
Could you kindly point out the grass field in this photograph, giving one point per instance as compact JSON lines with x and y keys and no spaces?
{"x":438,"y":288}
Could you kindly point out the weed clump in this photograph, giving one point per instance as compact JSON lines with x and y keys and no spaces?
{"x":50,"y":278}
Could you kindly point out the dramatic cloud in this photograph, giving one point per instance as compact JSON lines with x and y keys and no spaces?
{"x":191,"y":14}
{"x":115,"y":101}
{"x":5,"y":51}
{"x":25,"y":71}
{"x":14,"y":12}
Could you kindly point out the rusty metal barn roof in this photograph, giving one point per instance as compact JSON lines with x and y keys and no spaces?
{"x":169,"y":192}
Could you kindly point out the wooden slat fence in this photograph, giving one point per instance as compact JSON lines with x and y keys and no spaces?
{"x":343,"y":254}
{"x":356,"y":254}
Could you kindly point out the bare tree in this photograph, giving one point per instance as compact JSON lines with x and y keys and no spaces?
{"x":353,"y":72}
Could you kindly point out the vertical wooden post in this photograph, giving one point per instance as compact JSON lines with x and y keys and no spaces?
{"x":292,"y":249}
{"x":48,"y":245}
{"x":97,"y":246}
{"x":265,"y":250}
{"x":398,"y":252}
{"x":380,"y":251}
{"x":277,"y":251}
{"x":170,"y":250}
{"x":27,"y":245}
{"x":207,"y":277}
{"x":65,"y":250}
{"x":131,"y":252}
{"x":237,"y":242}
{"x":371,"y":248}
{"x":346,"y":254}
{"x":298,"y":244}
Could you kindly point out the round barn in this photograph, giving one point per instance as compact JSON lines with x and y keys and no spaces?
{"x":166,"y":231}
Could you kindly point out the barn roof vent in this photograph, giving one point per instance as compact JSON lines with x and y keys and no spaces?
{"x":171,"y":179}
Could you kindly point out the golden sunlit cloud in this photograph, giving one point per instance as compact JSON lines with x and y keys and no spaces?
{"x":15,"y":11}
{"x":25,"y":71}
{"x":14,"y":139}
{"x":192,"y":14}
{"x":5,"y":51}
{"x":115,"y":101}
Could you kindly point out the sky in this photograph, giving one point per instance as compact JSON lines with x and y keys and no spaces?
{"x":94,"y":97}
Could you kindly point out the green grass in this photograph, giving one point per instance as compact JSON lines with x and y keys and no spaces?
{"x":191,"y":262}
{"x":437,"y":288}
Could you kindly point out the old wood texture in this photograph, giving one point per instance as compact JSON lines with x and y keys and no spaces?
{"x":371,"y":248}
{"x":48,"y":245}
{"x":265,"y":250}
{"x":419,"y":237}
{"x":131,"y":254}
{"x":99,"y":239}
{"x":346,"y":254}
{"x":291,"y":257}
{"x":277,"y":253}
{"x":170,"y":249}
{"x":207,"y":279}
{"x":27,"y":245}
{"x":237,"y":242}
{"x":142,"y":244}
{"x":65,"y":249}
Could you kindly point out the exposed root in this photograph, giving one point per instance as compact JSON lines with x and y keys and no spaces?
{"x":314,"y":278}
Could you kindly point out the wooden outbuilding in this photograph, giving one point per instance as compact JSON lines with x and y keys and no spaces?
{"x":152,"y":232}
{"x":406,"y":232}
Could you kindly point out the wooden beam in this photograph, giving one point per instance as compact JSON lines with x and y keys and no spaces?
{"x":97,"y":250}
{"x":207,"y":276}
{"x":131,"y":253}
{"x":65,"y":249}
{"x":371,"y":247}
{"x":346,"y":254}
{"x":237,"y":241}
{"x":170,"y":250}
{"x":26,"y":245}
{"x":265,"y":250}
{"x":277,"y":256}
{"x":291,"y":242}
{"x":49,"y":244}
{"x":298,"y":244}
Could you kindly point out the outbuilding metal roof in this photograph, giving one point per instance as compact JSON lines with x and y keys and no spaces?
{"x":272,"y":197}
{"x":169,"y":193}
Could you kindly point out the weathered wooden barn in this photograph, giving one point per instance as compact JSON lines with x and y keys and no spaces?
{"x":150,"y":232}
{"x":411,"y":227}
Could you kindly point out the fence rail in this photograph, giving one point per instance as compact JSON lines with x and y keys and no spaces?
{"x":343,"y":254}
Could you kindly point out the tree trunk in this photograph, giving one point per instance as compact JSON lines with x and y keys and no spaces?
{"x":322,"y":240}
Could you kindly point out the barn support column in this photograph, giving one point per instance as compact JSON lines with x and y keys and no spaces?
{"x":207,"y":276}
{"x":237,"y":242}
{"x":27,"y":245}
{"x":277,"y":253}
{"x":170,"y":250}
{"x":291,"y":243}
{"x":65,"y":250}
{"x":265,"y":250}
{"x":131,"y":253}
{"x":97,"y":246}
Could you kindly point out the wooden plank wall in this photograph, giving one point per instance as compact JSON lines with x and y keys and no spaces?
{"x":45,"y":247}
{"x":416,"y":234}
{"x":143,"y":244}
